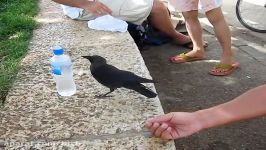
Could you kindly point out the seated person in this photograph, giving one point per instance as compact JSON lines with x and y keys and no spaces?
{"x":132,"y":11}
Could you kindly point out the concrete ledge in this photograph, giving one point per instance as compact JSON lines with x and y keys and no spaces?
{"x":34,"y":116}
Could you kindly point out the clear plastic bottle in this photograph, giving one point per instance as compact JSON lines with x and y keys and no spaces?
{"x":62,"y":71}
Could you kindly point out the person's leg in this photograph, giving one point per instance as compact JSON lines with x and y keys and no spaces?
{"x":195,"y":32}
{"x":227,"y":64}
{"x":223,"y":34}
{"x":161,"y":20}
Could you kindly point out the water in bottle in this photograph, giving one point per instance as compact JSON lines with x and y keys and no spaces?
{"x":62,"y":71}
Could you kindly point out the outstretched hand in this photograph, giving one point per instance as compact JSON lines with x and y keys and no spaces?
{"x":98,"y":8}
{"x":174,"y":125}
{"x":181,"y":124}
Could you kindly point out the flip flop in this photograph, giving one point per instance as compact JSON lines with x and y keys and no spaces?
{"x":182,"y":58}
{"x":224,"y":69}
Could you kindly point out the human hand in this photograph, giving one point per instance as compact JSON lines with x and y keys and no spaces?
{"x":97,"y":8}
{"x":174,"y":125}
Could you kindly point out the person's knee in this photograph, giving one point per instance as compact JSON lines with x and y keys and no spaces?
{"x":215,"y":16}
{"x":158,"y":7}
{"x":191,"y":15}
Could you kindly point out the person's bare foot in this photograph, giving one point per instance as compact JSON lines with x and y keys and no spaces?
{"x":227,"y":58}
{"x":185,"y":40}
{"x":224,"y":69}
{"x":182,"y":39}
{"x":226,"y":66}
{"x":196,"y":53}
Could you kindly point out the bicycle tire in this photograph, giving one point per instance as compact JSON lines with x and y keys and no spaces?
{"x":243,"y":22}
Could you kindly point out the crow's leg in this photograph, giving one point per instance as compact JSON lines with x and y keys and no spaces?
{"x":111,"y":90}
{"x":105,"y":95}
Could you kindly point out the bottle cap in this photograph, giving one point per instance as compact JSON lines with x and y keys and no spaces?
{"x":58,"y":50}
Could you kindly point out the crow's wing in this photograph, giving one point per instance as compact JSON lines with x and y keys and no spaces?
{"x":127,"y":76}
{"x":108,"y":75}
{"x":111,"y":76}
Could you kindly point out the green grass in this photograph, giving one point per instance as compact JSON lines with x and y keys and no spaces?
{"x":16,"y":28}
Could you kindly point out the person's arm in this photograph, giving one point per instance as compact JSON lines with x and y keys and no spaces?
{"x":181,"y":124}
{"x":94,"y":6}
{"x":248,"y":105}
{"x":74,"y":3}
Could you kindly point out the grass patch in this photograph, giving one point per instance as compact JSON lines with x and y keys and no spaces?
{"x":16,"y":28}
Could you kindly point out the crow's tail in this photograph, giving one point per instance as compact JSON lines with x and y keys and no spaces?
{"x":144,"y":80}
{"x":142,"y":90}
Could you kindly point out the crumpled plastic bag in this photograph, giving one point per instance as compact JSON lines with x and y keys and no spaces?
{"x":108,"y":23}
{"x":72,"y":12}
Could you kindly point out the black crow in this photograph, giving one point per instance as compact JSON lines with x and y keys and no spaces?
{"x":114,"y":78}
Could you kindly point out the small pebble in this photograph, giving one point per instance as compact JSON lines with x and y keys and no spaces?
{"x":81,"y":72}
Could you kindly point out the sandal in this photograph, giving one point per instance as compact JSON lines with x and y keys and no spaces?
{"x":223,"y":69}
{"x":182,"y":58}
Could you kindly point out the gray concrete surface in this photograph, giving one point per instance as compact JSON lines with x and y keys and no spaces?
{"x":243,"y":38}
{"x":229,"y":11}
{"x":35,"y":117}
{"x":189,"y":87}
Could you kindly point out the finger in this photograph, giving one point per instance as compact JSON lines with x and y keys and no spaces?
{"x":100,"y":13}
{"x":148,"y":124}
{"x":154,"y":127}
{"x":103,"y":11}
{"x":162,"y":118}
{"x":166,"y":134}
{"x":174,"y":133}
{"x":160,"y":129}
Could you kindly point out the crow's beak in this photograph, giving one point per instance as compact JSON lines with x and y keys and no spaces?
{"x":87,"y":57}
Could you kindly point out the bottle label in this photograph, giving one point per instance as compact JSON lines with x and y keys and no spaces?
{"x":56,"y":70}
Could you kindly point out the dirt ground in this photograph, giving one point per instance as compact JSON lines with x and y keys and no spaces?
{"x":188,"y":87}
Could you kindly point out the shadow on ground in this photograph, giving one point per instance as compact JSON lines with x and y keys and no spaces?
{"x":188,"y":87}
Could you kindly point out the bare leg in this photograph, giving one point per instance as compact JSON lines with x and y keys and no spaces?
{"x":195,"y":32}
{"x":223,"y":34}
{"x":161,"y":20}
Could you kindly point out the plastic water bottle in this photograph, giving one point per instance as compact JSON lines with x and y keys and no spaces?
{"x":62,"y":71}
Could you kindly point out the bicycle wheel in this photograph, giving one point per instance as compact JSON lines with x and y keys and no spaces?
{"x":252,"y":14}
